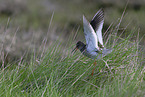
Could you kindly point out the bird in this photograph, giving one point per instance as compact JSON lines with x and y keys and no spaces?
{"x":94,"y":47}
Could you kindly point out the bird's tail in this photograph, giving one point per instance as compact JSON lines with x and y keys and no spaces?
{"x":106,"y":51}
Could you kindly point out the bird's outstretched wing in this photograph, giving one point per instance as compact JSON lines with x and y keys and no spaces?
{"x":90,"y":35}
{"x":97,"y":24}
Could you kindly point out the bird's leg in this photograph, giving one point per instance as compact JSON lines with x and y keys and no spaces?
{"x":94,"y":67}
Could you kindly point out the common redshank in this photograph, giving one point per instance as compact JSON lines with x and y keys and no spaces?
{"x":94,"y":47}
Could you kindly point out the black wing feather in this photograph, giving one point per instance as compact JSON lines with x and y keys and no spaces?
{"x":97,"y":19}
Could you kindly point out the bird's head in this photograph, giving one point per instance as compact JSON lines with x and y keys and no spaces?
{"x":79,"y":45}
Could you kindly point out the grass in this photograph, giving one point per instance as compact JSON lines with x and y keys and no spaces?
{"x":59,"y":73}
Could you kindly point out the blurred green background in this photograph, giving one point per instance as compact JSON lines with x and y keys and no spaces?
{"x":24,"y":24}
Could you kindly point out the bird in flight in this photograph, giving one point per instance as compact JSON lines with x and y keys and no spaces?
{"x":94,"y":47}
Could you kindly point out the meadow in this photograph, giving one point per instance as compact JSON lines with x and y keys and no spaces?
{"x":56,"y":72}
{"x":36,"y":58}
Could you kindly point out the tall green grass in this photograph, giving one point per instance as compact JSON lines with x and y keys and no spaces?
{"x":58,"y":73}
{"x":120,"y":73}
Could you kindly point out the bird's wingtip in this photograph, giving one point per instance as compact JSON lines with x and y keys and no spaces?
{"x":84,"y":18}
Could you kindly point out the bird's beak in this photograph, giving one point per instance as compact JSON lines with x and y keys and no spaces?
{"x":74,"y":50}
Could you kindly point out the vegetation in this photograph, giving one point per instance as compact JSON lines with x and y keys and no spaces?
{"x":59,"y":73}
{"x":48,"y":68}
